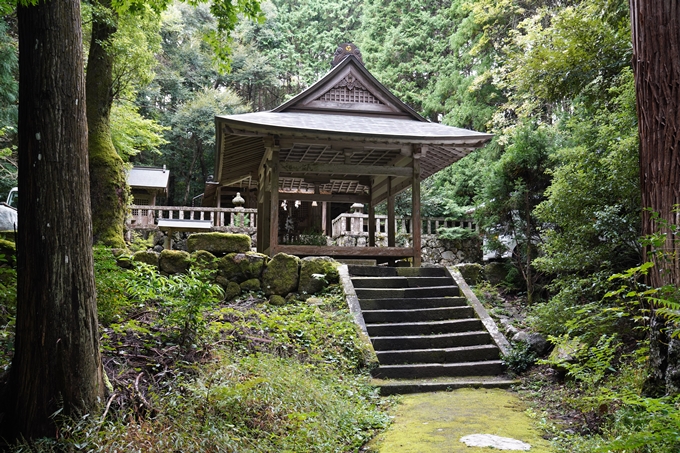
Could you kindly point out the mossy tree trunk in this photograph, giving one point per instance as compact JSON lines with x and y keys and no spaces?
{"x":56,"y":362}
{"x":108,"y":185}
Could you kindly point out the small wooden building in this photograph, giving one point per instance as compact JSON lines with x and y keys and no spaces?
{"x":346,"y":139}
{"x":147,"y":183}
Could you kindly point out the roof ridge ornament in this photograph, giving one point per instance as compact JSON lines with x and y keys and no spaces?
{"x":343,"y":51}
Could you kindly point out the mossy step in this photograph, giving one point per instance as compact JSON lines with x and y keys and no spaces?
{"x":427,"y":326}
{"x":417,"y":315}
{"x":384,"y":271}
{"x":448,"y":340}
{"x":393,"y":293}
{"x":406,"y":303}
{"x":401,"y":282}
{"x":426,"y":370}
{"x":409,"y":386}
{"x":443,"y":355}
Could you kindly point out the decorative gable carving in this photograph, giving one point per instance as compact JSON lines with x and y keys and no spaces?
{"x":350,"y":90}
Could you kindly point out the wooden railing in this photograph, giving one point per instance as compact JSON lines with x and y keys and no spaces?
{"x":147,"y":216}
{"x":357,"y":224}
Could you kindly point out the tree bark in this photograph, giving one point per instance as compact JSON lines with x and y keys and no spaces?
{"x":656,"y":63}
{"x":56,"y":362}
{"x":108,"y":184}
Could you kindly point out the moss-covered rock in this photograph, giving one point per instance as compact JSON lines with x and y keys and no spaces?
{"x":277,"y":300}
{"x":232,"y":290}
{"x":239,"y":267}
{"x":204,"y":260}
{"x":252,"y":284}
{"x":146,"y":256}
{"x":174,"y":261}
{"x":317,"y":272}
{"x":281,"y":276}
{"x":219,"y":243}
{"x":472,"y":272}
{"x":495,"y":272}
{"x":9,"y":250}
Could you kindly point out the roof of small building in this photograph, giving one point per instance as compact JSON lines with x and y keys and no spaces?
{"x":148,"y":178}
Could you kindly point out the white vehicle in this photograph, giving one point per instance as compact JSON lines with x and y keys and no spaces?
{"x":9,"y":220}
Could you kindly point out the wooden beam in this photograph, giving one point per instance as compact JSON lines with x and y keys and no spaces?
{"x":339,"y":251}
{"x":371,"y":223}
{"x":391,"y":227}
{"x":274,"y":202}
{"x":337,"y":198}
{"x":415,"y":214}
{"x":343,"y":169}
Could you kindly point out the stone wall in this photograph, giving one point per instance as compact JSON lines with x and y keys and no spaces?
{"x":179,"y":239}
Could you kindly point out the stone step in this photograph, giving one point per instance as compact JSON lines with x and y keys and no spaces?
{"x":412,"y":303}
{"x":406,"y":386}
{"x":447,"y":340}
{"x":425,"y":327}
{"x":413,"y":315}
{"x":394,"y":293}
{"x":384,"y":271}
{"x":443,"y":355}
{"x":400,"y":282}
{"x":427,"y":370}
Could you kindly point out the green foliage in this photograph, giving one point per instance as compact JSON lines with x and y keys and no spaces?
{"x":456,"y":233}
{"x":520,"y":358}
{"x":112,"y":300}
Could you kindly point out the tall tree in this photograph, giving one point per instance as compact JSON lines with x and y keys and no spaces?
{"x":56,"y":363}
{"x":656,"y":63}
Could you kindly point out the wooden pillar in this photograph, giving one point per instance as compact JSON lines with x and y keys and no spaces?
{"x":415,"y":203}
{"x":219,"y":204}
{"x":371,"y":219}
{"x":391,"y":225}
{"x":329,"y":219}
{"x":274,"y":203}
{"x":324,"y":214}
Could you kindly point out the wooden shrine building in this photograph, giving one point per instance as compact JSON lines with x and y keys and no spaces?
{"x":346,"y":139}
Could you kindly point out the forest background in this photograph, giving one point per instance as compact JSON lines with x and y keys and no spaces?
{"x":552,"y":80}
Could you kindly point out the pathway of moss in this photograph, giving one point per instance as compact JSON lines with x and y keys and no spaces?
{"x":435,"y":422}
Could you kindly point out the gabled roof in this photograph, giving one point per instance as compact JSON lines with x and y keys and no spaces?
{"x":148,"y":178}
{"x":349,"y":88}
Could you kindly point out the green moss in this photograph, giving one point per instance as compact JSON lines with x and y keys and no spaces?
{"x":174,"y":261}
{"x":435,"y":422}
{"x":146,"y":256}
{"x":219,"y":243}
{"x":277,"y":300}
{"x":232,"y":290}
{"x":239,"y":267}
{"x":281,"y":276}
{"x":9,"y":249}
{"x":316,"y":272}
{"x":472,"y":272}
{"x":204,"y":260}
{"x":252,"y":284}
{"x":109,"y":192}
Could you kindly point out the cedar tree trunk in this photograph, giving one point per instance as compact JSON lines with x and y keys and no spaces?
{"x":108,"y":185}
{"x":656,"y":62}
{"x":56,"y":362}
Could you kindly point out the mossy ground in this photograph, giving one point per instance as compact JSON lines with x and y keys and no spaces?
{"x":435,"y":422}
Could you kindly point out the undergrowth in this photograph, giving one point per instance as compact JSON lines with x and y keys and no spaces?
{"x":192,"y":373}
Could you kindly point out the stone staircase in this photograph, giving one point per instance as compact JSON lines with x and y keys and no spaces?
{"x":426,"y":335}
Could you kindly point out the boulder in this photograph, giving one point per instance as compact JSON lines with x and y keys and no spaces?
{"x":317,"y":272}
{"x":219,"y":244}
{"x":281,"y":276}
{"x":239,"y":267}
{"x":472,"y":272}
{"x":174,"y":261}
{"x":535,"y":341}
{"x":495,"y":272}
{"x":231,"y":291}
{"x":146,"y":256}
{"x":275,"y":299}
{"x":204,"y":260}
{"x":252,"y":284}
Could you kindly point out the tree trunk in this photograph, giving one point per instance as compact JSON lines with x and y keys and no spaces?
{"x":656,"y":62}
{"x":108,"y":184}
{"x":56,"y":362}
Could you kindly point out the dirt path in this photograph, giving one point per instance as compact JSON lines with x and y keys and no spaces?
{"x":435,"y":422}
